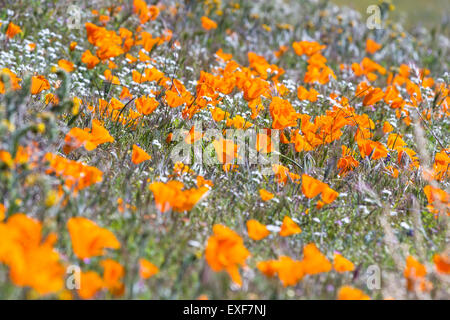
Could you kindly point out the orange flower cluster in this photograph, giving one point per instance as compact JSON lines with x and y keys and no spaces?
{"x":290,"y":271}
{"x":146,"y":105}
{"x":304,"y":94}
{"x":442,"y":262}
{"x":282,"y":113}
{"x":114,"y":110}
{"x":145,"y":12}
{"x":282,"y":173}
{"x":414,"y":274}
{"x":317,"y":70}
{"x":438,"y":200}
{"x":76,"y":175}
{"x":2,"y":212}
{"x":22,"y":157}
{"x":350,"y":293}
{"x":90,"y":139}
{"x":441,"y":166}
{"x":226,"y":251}
{"x":367,"y":67}
{"x":171,"y":196}
{"x":324,"y":130}
{"x":13,"y":79}
{"x":32,"y":262}
{"x":371,"y":94}
{"x":108,"y":42}
{"x":91,"y":282}
{"x":347,"y":162}
{"x":312,"y":187}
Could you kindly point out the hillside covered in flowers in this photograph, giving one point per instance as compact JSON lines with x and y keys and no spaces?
{"x":221,"y":150}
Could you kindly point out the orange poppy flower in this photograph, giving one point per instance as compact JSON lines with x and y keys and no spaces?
{"x":208,"y":24}
{"x":113,"y":273}
{"x":147,"y":269}
{"x":265,"y":195}
{"x":282,"y":49}
{"x":146,"y":105}
{"x":304,"y":94}
{"x":375,"y":149}
{"x":31,"y":46}
{"x":88,"y":239}
{"x":373,"y":96}
{"x":282,"y":113}
{"x":346,"y":163}
{"x":434,"y":194}
{"x":14,"y":80}
{"x":126,"y":94}
{"x":314,"y":261}
{"x":341,"y":264}
{"x":218,"y":114}
{"x":76,"y":175}
{"x":90,"y":284}
{"x":282,"y":173}
{"x":414,"y":274}
{"x":32,"y":262}
{"x":224,"y":56}
{"x":72,"y":45}
{"x":269,"y":268}
{"x":2,"y":212}
{"x":289,"y":271}
{"x":256,"y":230}
{"x":138,"y":156}
{"x":89,"y":138}
{"x":442,"y":262}
{"x":226,"y":251}
{"x":289,"y":227}
{"x":387,"y":127}
{"x":39,"y":84}
{"x":12,"y":30}
{"x":66,"y":65}
{"x":311,"y":187}
{"x":372,"y":46}
{"x":329,"y":195}
{"x":307,"y":47}
{"x":414,"y":269}
{"x":89,"y":59}
{"x":264,"y":143}
{"x":171,"y":196}
{"x":201,"y":181}
{"x":350,"y":293}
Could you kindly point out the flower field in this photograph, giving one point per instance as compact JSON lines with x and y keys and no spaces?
{"x":214,"y":149}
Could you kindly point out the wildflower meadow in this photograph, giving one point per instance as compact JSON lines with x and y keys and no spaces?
{"x":213,"y":149}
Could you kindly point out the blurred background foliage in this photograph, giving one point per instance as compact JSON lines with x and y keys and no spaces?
{"x":411,"y":13}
